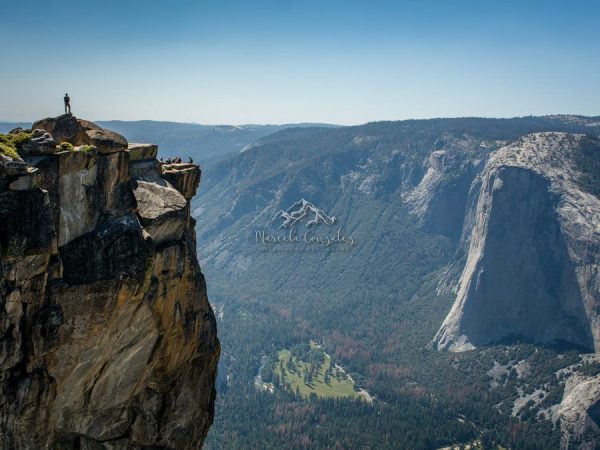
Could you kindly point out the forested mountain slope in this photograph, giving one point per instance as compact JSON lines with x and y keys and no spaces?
{"x":373,"y":288}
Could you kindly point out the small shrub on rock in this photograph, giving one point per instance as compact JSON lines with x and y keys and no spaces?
{"x":65,"y":146}
{"x":87,"y":148}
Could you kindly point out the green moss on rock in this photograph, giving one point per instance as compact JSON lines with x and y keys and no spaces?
{"x":11,"y":143}
{"x":8,"y":150}
{"x":87,"y":148}
{"x":19,"y":138}
{"x":65,"y":146}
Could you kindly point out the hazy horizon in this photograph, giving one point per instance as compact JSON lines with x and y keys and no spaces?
{"x":302,"y":122}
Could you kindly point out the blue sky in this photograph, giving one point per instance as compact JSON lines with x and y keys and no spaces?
{"x":283,"y":61}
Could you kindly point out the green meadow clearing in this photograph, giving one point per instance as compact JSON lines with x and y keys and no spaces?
{"x":313,"y":377}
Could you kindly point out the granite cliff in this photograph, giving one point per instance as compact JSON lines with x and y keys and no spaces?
{"x":107,"y":339}
{"x":533,"y":251}
{"x":532,"y":270}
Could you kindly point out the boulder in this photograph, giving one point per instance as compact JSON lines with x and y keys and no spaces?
{"x":106,"y":141}
{"x":184,"y":177}
{"x":142,"y":152}
{"x":41,"y":143}
{"x":162,"y":209}
{"x":67,"y":128}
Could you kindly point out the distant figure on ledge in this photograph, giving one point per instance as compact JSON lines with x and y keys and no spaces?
{"x":67,"y":104}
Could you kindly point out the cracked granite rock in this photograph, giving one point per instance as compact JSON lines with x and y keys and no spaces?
{"x":107,"y":337}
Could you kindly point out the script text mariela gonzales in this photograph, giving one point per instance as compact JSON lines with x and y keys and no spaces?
{"x":308,"y":237}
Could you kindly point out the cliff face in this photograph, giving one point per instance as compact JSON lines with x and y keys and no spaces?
{"x":579,"y":413}
{"x":532,"y":270}
{"x":441,"y":198}
{"x":107,"y":339}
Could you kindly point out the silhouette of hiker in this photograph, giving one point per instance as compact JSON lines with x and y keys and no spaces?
{"x":67,"y":104}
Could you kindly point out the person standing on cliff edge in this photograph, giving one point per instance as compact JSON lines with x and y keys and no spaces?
{"x":67,"y":104}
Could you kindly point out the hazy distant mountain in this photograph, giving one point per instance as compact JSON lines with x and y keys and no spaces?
{"x":375,"y":288}
{"x":201,"y":142}
{"x":5,"y":127}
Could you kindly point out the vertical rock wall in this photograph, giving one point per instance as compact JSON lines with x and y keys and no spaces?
{"x":107,"y":339}
{"x":533,"y":252}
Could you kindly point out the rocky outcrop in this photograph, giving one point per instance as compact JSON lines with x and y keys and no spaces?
{"x":67,"y":128}
{"x":579,"y":413}
{"x":534,"y":252}
{"x":107,"y":337}
{"x":185,"y":177}
{"x":440,"y":199}
{"x":142,"y":152}
{"x":41,"y":143}
{"x":162,"y":210}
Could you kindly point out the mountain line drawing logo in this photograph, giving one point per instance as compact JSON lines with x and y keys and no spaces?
{"x":299,"y":230}
{"x":300,"y":211}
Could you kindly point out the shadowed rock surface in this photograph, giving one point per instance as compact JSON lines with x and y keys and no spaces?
{"x":107,"y":336}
